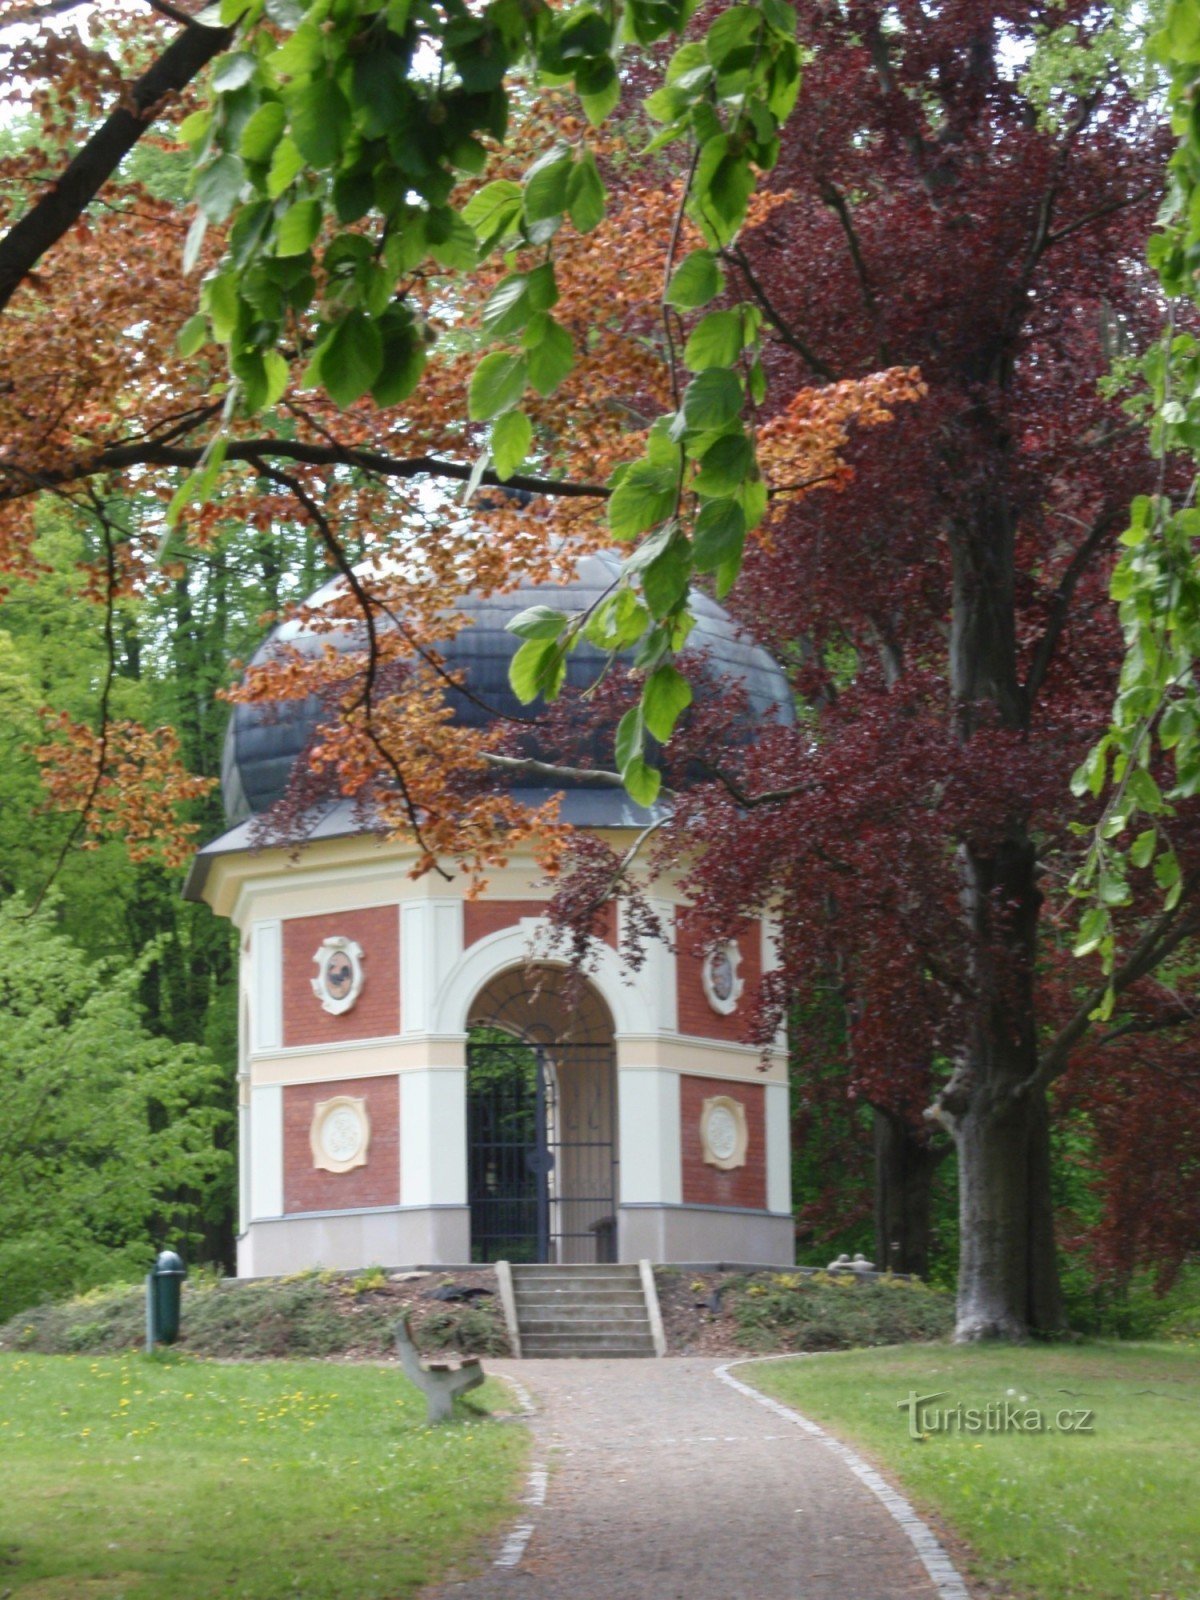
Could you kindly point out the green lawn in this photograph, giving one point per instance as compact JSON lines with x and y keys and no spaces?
{"x":1110,"y":1513}
{"x":124,"y":1478}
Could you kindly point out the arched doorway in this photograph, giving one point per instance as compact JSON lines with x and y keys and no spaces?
{"x":541,"y":1120}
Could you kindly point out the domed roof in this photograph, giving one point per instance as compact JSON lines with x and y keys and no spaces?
{"x":263,"y":742}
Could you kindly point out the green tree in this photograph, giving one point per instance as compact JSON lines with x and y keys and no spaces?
{"x":114,"y":1141}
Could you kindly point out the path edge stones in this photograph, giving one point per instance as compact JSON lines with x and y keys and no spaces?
{"x":536,"y":1483}
{"x":943,"y":1574}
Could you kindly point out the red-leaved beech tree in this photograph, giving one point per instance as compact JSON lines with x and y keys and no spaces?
{"x":949,"y":615}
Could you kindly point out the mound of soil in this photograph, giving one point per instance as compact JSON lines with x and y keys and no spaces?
{"x":348,"y":1315}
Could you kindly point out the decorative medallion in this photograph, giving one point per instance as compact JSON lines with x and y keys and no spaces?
{"x":340,"y":1133}
{"x":719,"y":975}
{"x":723,"y":1134}
{"x":340,"y":975}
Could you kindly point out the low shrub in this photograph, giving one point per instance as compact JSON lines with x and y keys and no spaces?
{"x":824,"y":1311}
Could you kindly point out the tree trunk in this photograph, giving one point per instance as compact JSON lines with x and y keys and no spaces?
{"x":1008,"y":1281}
{"x":904,"y":1167}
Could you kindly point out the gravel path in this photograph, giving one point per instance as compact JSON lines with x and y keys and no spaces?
{"x":666,"y":1484}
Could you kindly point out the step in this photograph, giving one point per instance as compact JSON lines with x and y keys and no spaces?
{"x":585,"y":1277}
{"x":591,"y":1345}
{"x":565,"y":1295}
{"x":543,"y":1322}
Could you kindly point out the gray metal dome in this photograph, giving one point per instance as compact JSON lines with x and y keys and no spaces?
{"x":263,"y":742}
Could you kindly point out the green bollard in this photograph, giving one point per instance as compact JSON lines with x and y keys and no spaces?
{"x":164,"y":1285}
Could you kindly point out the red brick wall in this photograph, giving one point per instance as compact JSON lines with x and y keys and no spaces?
{"x":376,"y":1012}
{"x":696,"y":1016}
{"x":483,"y":917}
{"x":709,"y":1186}
{"x":309,"y":1188}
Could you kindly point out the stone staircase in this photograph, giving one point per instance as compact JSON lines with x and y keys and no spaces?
{"x":585,"y":1311}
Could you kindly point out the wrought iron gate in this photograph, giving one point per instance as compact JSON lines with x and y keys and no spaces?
{"x":541,"y":1150}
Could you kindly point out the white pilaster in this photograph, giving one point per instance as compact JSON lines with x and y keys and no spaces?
{"x":433,"y":1137}
{"x":431,"y":942}
{"x":779,"y":1148}
{"x":651,"y":1162}
{"x":659,"y":972}
{"x":266,"y":985}
{"x":266,"y":1152}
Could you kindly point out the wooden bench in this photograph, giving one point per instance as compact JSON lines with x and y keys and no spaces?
{"x":438,"y":1381}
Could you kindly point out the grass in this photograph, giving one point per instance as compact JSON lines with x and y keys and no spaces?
{"x":126,"y":1478}
{"x":1109,"y":1514}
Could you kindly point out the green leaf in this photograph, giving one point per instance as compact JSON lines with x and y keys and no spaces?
{"x":512,"y":435}
{"x":219,"y":297}
{"x":697,"y":280}
{"x":276,"y":373}
{"x":715,"y":341}
{"x":666,"y":695}
{"x":286,"y":165}
{"x":451,"y":241}
{"x":538,"y":668}
{"x":551,"y":352}
{"x":1141,"y":852}
{"x":720,"y":534}
{"x":665,"y":579}
{"x":538,"y":622}
{"x":508,"y":306}
{"x":303,"y":52}
{"x":642,"y":782}
{"x":644,"y":497}
{"x":194,"y":241}
{"x":493,"y":211}
{"x":320,"y":114}
{"x":546,"y":189}
{"x":724,"y":465}
{"x":713,"y":400}
{"x":630,"y":737}
{"x":599,"y":90}
{"x":218,"y":186}
{"x":400,"y":370}
{"x":193,"y":335}
{"x":734,"y":32}
{"x":298,"y":227}
{"x":350,"y":358}
{"x":233,"y":72}
{"x":497,"y":385}
{"x":263,"y":131}
{"x":586,"y":195}
{"x":1093,"y":926}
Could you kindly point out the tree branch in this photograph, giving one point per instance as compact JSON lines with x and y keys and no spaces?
{"x":1060,"y":605}
{"x":61,"y":206}
{"x":786,"y":332}
{"x":364,"y":701}
{"x":1107,"y":209}
{"x":1164,"y":935}
{"x":836,"y":202}
{"x":260,"y":452}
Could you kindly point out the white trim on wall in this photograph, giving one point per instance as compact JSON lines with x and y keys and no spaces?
{"x":266,"y":987}
{"x":651,"y":1167}
{"x":433,"y":1138}
{"x":779,"y":1148}
{"x":431,"y":941}
{"x":660,"y":969}
{"x":628,"y":996}
{"x":266,"y":1152}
